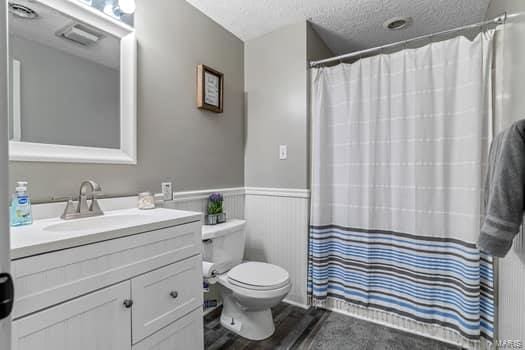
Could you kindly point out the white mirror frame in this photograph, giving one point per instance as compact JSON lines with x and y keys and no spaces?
{"x":127,"y":154}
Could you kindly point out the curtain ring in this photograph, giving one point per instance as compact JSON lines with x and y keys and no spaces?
{"x":501,"y":19}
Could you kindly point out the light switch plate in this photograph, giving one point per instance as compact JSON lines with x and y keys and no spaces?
{"x":167,"y":191}
{"x":283,"y":152}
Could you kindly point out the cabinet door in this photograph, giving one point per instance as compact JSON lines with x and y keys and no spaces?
{"x":165,"y":295}
{"x":97,"y":321}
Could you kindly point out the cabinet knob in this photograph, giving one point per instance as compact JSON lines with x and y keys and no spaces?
{"x":128,"y":303}
{"x":174,"y":294}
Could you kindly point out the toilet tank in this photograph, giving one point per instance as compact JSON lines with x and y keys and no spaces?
{"x":223,"y":244}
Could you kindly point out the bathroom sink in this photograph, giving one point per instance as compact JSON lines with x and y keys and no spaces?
{"x":99,"y":222}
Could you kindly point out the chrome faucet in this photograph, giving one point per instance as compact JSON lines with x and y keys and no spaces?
{"x":83,"y":209}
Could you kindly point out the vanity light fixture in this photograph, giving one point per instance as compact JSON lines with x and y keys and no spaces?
{"x":127,"y":6}
{"x":109,"y":9}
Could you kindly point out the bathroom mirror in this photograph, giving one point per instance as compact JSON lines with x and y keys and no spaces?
{"x":72,"y":84}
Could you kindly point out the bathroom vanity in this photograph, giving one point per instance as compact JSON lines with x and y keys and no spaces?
{"x":130,"y":279}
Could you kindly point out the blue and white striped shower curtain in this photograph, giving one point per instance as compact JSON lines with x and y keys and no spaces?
{"x":399,"y":144}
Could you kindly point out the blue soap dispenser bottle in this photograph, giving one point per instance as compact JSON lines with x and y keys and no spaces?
{"x":21,"y":213}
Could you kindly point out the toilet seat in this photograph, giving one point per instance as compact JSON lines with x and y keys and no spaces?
{"x":258,"y":276}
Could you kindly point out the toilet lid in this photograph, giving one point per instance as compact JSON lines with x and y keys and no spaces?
{"x":259,"y":276}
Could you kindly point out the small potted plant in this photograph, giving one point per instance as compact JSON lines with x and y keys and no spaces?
{"x":216,"y":214}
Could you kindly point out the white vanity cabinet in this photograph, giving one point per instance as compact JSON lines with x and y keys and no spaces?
{"x":140,"y":291}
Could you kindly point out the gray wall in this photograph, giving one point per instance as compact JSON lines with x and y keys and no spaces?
{"x":316,"y":49}
{"x":66,"y":99}
{"x":195,"y":149}
{"x":277,"y":106}
{"x":498,"y":7}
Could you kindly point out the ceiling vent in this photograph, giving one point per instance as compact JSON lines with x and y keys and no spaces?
{"x":397,"y":23}
{"x":22,"y":11}
{"x":81,"y":34}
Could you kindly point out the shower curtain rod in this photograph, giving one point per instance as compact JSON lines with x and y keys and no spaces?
{"x":497,"y":20}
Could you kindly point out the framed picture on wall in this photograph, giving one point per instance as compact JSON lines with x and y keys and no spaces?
{"x":210,"y":89}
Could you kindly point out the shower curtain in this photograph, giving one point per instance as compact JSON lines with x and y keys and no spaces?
{"x":399,"y":144}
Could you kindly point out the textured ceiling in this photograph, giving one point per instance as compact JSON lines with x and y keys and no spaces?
{"x":345,"y":25}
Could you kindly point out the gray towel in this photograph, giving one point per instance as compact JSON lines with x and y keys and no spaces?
{"x":504,"y":191}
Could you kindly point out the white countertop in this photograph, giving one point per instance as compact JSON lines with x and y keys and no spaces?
{"x":48,"y":235}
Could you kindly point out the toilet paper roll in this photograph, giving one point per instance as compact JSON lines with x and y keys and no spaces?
{"x":208,"y":269}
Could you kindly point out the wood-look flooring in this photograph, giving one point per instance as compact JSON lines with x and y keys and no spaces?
{"x":317,"y":329}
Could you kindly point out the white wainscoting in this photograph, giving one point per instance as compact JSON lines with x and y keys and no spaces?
{"x":198,"y":201}
{"x":511,"y":292}
{"x":277,"y":233}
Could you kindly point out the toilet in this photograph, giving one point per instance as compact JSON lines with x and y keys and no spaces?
{"x":248,"y":289}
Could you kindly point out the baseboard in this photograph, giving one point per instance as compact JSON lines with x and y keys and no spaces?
{"x":294,"y":303}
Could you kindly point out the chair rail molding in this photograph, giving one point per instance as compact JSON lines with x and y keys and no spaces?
{"x":202,"y":194}
{"x":278,"y":192}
